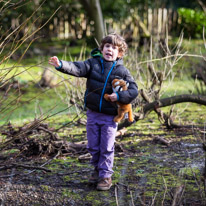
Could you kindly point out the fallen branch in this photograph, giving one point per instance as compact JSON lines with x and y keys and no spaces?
{"x":47,"y":162}
{"x":15,"y":165}
{"x":164,"y":118}
{"x":154,"y":106}
{"x":84,"y":157}
{"x":41,"y":166}
{"x":174,"y":100}
{"x":161,"y":140}
{"x":121,"y":132}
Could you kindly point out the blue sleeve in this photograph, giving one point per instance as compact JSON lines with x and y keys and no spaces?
{"x":117,"y":96}
{"x":60,"y":65}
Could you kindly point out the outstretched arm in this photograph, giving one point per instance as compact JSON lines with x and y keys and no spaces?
{"x":78,"y":68}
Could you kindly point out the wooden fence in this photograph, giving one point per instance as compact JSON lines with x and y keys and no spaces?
{"x":152,"y":21}
{"x":159,"y":21}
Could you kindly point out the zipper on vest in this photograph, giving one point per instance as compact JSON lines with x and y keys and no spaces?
{"x":102,"y":95}
{"x":102,"y":62}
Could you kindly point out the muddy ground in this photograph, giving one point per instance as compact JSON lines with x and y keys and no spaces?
{"x":147,"y":171}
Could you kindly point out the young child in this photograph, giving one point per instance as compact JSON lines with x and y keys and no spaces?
{"x":105,"y":65}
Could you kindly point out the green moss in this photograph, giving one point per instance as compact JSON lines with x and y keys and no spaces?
{"x":71,"y":193}
{"x":11,"y":151}
{"x":53,"y":167}
{"x":46,"y":188}
{"x":92,"y":197}
{"x":190,"y":172}
{"x":66,"y":178}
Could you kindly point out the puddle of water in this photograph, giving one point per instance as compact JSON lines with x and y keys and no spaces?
{"x":190,"y":145}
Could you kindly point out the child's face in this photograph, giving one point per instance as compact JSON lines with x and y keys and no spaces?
{"x":110,"y":52}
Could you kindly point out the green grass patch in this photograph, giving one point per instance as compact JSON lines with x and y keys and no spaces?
{"x":31,"y":102}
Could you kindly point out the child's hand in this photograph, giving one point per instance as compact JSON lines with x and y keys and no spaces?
{"x":54,"y":61}
{"x":113,"y":97}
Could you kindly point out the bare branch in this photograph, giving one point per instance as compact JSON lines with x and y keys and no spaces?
{"x":202,"y":5}
{"x":171,"y":56}
{"x":174,"y":100}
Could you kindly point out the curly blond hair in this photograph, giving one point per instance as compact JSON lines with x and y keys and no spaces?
{"x":116,"y":40}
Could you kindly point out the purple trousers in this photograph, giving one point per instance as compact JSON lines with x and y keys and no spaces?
{"x":101,"y":130}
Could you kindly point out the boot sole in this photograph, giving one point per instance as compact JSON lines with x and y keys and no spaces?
{"x":104,"y":188}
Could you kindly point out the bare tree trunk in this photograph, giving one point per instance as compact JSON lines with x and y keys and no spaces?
{"x":94,"y":11}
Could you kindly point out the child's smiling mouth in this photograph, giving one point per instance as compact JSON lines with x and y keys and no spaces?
{"x":108,"y":54}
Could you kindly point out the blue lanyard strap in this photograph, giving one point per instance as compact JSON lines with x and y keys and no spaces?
{"x":100,"y":104}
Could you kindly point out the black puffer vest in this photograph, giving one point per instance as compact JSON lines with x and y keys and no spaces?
{"x":99,"y":74}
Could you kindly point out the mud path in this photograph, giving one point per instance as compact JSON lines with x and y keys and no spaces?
{"x":147,"y":172}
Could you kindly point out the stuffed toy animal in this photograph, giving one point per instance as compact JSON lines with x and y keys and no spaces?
{"x":121,"y":85}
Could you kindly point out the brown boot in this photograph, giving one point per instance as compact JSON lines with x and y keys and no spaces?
{"x":104,"y":184}
{"x":94,"y":177}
